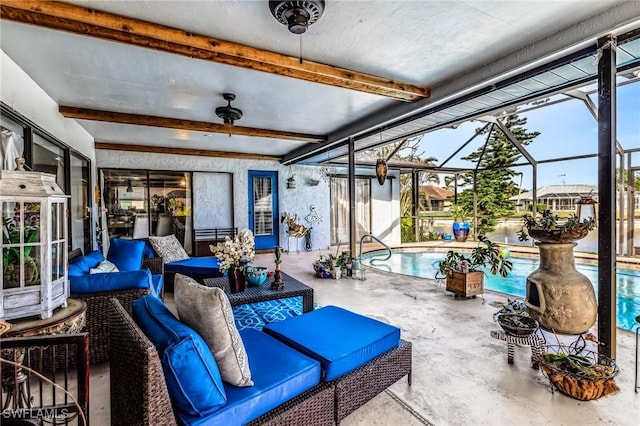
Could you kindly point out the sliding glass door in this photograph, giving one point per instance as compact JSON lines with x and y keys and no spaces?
{"x":141,"y":203}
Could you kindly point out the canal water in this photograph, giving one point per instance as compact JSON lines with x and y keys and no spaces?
{"x":506,"y":232}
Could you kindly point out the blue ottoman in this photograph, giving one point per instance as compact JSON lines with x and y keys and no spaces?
{"x":341,"y":340}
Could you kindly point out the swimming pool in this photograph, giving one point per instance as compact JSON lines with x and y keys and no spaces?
{"x":423,"y":264}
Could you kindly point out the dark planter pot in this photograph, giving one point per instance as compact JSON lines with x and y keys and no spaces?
{"x":461,"y":231}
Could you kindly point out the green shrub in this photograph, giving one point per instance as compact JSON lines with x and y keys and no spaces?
{"x":407,"y":234}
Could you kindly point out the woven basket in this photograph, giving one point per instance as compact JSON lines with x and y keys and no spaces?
{"x":581,"y":385}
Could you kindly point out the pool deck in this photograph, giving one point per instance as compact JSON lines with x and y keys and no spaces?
{"x":460,"y":373}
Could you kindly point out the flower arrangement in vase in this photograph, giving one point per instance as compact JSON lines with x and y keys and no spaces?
{"x":234,"y":254}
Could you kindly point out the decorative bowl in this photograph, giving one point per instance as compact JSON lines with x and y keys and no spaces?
{"x":256,"y":275}
{"x":517,"y":325}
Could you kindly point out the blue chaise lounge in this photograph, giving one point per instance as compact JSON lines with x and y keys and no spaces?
{"x":177,"y":261}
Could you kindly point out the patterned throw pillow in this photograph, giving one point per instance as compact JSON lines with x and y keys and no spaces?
{"x":104,"y":267}
{"x":208,"y":311}
{"x":168,"y":248}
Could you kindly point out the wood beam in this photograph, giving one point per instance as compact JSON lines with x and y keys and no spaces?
{"x":182,"y":151}
{"x":176,"y":123}
{"x":108,"y":26}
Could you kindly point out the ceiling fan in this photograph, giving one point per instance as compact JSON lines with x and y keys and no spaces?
{"x":228,"y":113}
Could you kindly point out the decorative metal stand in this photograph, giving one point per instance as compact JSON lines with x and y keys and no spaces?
{"x":278,"y":283}
{"x":533,"y":340}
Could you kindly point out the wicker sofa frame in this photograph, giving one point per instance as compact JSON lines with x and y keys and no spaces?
{"x":98,"y":307}
{"x":139,"y":394}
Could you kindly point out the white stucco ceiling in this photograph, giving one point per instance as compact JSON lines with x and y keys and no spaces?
{"x":425,"y":43}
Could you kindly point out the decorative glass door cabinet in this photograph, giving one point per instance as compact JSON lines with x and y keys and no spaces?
{"x":34,"y":245}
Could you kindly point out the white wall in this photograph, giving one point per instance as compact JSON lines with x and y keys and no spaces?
{"x":24,"y":96}
{"x":385,"y":208}
{"x":295,"y":201}
{"x":213,"y":200}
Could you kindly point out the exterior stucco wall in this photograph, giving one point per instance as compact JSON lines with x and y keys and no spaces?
{"x":385,"y":209}
{"x":385,"y":204}
{"x":294,"y":201}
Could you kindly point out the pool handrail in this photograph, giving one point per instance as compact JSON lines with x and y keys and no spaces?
{"x":379,"y":241}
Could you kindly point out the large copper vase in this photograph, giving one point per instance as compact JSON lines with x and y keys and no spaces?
{"x":558,"y":296}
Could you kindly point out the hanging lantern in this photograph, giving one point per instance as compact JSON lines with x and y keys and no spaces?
{"x":587,"y":208}
{"x":381,"y":171}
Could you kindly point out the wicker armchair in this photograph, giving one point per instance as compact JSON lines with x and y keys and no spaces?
{"x":97,"y":324}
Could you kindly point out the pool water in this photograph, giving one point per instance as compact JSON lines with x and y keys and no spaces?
{"x":424,"y":264}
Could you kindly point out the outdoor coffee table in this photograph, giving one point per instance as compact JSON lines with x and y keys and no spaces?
{"x":263,"y":293}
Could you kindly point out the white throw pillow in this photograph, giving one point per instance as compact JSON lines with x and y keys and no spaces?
{"x":207,"y":310}
{"x":104,"y":267}
{"x":168,"y":248}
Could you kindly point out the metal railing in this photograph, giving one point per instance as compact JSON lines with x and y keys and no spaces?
{"x":373,"y":237}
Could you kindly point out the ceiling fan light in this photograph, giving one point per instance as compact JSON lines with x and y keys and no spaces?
{"x":298,"y":21}
{"x":297,"y":15}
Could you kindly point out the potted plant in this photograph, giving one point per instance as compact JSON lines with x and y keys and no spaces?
{"x":463,"y":272}
{"x":514,"y":318}
{"x":325,"y":265}
{"x":549,"y":228}
{"x":460,"y":225}
{"x":11,"y":259}
{"x":578,"y":372}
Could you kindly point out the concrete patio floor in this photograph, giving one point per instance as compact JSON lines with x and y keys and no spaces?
{"x":460,"y":373}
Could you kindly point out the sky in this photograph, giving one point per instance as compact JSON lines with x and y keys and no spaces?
{"x":566,"y":129}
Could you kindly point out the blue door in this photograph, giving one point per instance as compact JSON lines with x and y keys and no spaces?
{"x":263,"y":208}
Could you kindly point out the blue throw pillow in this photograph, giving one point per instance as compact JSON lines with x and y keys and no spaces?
{"x":78,"y":268}
{"x":191,"y":372}
{"x":114,"y":281}
{"x":82,"y":264}
{"x":148,"y":251}
{"x":126,"y":254}
{"x":93,"y":259}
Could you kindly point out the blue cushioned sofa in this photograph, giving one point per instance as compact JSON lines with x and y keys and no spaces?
{"x":96,"y":290}
{"x":288,"y":388}
{"x":197,"y":268}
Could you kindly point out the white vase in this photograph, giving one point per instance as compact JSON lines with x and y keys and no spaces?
{"x":337,"y":273}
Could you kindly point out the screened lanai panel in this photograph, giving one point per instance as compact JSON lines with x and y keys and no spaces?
{"x":486,"y":100}
{"x":567,"y":129}
{"x":550,"y":78}
{"x":632,"y":49}
{"x":530,"y":87}
{"x":500,"y":95}
{"x":623,"y":56}
{"x":570,"y":72}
